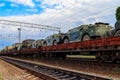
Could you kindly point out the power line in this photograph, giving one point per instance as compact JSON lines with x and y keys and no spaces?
{"x":29,"y":25}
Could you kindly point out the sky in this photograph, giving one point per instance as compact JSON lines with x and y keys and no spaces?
{"x":65,"y":14}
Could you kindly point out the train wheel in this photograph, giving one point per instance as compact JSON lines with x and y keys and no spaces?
{"x":116,"y":57}
{"x":57,"y":56}
{"x":63,"y":56}
{"x":103,"y":56}
{"x":117,"y":33}
{"x":44,"y":44}
{"x":108,"y":56}
{"x":98,"y":57}
{"x":86,"y":37}
{"x":47,"y":55}
{"x":44,"y":55}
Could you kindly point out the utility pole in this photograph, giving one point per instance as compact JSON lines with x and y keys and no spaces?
{"x":28,"y":25}
{"x":19,"y":35}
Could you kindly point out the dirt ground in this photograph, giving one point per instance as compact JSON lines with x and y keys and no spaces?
{"x":10,"y":72}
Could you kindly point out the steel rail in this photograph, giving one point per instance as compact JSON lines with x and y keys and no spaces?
{"x":50,"y":73}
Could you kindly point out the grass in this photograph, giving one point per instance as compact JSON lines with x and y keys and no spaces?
{"x":80,"y":56}
{"x":1,"y":77}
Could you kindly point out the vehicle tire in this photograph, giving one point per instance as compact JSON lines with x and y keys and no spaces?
{"x":44,"y":44}
{"x":117,"y":33}
{"x":86,"y":37}
{"x":54,"y":42}
{"x":66,"y":40}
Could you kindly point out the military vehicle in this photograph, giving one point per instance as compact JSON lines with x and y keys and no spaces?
{"x":88,"y":32}
{"x":16,"y":46}
{"x":8,"y":48}
{"x":26,"y":44}
{"x":54,"y":39}
{"x":38,"y":43}
{"x":116,"y":31}
{"x":19,"y":47}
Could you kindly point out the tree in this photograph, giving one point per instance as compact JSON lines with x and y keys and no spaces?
{"x":118,"y":13}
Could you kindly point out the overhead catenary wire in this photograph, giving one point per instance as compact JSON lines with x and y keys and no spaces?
{"x":29,"y":25}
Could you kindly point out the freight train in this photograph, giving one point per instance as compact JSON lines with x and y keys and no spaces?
{"x":92,"y":38}
{"x":98,"y":38}
{"x":81,"y":33}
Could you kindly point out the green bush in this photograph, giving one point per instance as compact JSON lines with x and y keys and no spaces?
{"x":118,"y":13}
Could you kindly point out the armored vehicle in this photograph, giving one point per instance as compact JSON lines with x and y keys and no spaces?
{"x":26,"y":44}
{"x":8,"y":48}
{"x":16,"y":46}
{"x":88,"y":32}
{"x":53,"y":39}
{"x":116,"y":31}
{"x":38,"y":43}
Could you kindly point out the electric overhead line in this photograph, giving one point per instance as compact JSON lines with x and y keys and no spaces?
{"x":29,"y":25}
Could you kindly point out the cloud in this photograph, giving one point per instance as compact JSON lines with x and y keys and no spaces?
{"x":80,"y":10}
{"x":68,"y":14}
{"x":24,"y":2}
{"x":2,"y":4}
{"x":13,"y":5}
{"x":32,"y":10}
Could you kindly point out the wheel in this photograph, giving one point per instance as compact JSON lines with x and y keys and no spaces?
{"x":117,"y":33}
{"x":116,"y":57}
{"x":44,"y":44}
{"x":66,"y":40}
{"x":63,"y":56}
{"x":86,"y":37}
{"x":98,"y":57}
{"x":54,"y":42}
{"x":105,"y":56}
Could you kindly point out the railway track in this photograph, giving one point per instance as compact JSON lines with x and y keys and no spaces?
{"x":50,"y":73}
{"x":88,"y":65}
